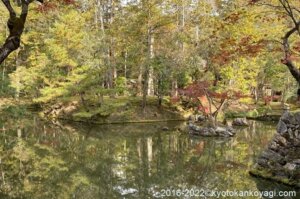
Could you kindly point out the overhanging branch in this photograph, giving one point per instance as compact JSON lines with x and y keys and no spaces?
{"x":15,"y":26}
{"x":287,"y":60}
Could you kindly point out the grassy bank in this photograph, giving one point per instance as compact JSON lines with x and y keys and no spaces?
{"x":129,"y":110}
{"x":116,"y":110}
{"x":259,"y":111}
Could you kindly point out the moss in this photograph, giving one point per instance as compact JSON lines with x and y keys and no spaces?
{"x":127,"y":109}
{"x":267,"y":174}
{"x":82,"y":115}
{"x":235,"y":114}
{"x":253,"y":113}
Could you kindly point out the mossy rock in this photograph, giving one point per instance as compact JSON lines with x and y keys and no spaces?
{"x":253,"y":113}
{"x":269,"y":174}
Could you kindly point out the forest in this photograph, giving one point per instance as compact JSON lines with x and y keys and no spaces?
{"x":108,"y":97}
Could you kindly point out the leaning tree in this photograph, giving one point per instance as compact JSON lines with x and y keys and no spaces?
{"x":15,"y":26}
{"x":291,"y":8}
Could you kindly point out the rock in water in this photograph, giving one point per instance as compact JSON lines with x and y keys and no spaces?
{"x":209,"y":131}
{"x":240,"y":122}
{"x":165,"y":128}
{"x":281,"y":160}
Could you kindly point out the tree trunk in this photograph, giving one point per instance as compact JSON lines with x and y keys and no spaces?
{"x":287,"y":59}
{"x":140,"y":82}
{"x":174,"y":88}
{"x":16,"y":27}
{"x":99,"y":15}
{"x":113,"y":69}
{"x":83,"y":101}
{"x":150,"y":89}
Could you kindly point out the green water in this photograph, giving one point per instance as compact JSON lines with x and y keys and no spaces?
{"x":40,"y":160}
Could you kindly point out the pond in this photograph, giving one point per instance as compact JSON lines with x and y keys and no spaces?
{"x":40,"y":160}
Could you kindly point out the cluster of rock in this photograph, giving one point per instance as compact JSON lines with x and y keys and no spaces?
{"x":281,"y":160}
{"x":211,"y":131}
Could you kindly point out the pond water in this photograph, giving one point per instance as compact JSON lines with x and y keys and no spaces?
{"x":39,"y":160}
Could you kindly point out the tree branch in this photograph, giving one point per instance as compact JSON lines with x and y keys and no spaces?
{"x":16,"y":27}
{"x":287,"y":60}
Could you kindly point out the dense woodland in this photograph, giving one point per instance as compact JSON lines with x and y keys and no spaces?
{"x":95,"y":48}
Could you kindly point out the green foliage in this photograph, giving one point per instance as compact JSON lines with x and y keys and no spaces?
{"x":14,"y":111}
{"x":121,"y":85}
{"x":241,"y":75}
{"x":92,"y":50}
{"x":184,"y":79}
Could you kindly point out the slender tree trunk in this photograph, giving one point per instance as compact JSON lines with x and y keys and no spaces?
{"x":150,"y":81}
{"x":197,"y":34}
{"x":113,"y":69}
{"x":145,"y":89}
{"x":99,"y":15}
{"x":83,"y":101}
{"x":140,"y":82}
{"x":174,"y":88}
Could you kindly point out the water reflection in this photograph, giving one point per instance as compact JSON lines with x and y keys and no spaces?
{"x":41,"y":160}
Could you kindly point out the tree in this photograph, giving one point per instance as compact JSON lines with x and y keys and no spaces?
{"x":206,"y":99}
{"x":291,"y":8}
{"x":15,"y":26}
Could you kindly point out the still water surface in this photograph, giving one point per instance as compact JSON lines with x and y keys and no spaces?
{"x":40,"y":160}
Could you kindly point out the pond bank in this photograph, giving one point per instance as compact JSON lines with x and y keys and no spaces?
{"x":122,"y":110}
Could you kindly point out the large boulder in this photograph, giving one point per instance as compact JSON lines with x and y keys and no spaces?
{"x":281,"y":159}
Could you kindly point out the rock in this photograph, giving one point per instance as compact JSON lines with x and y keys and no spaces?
{"x":165,"y":128}
{"x":296,"y":161}
{"x":290,"y":167}
{"x":209,"y":131}
{"x":281,"y":127}
{"x":297,"y":117}
{"x":280,"y":140}
{"x":194,"y":127}
{"x":281,"y":160}
{"x":271,"y":155}
{"x":291,"y":133}
{"x":223,"y":131}
{"x":262,"y":162}
{"x":288,"y":118}
{"x":200,"y":118}
{"x":240,"y":122}
{"x":197,"y":118}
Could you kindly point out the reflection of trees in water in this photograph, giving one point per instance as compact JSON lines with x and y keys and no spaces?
{"x":42,"y":161}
